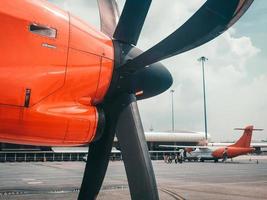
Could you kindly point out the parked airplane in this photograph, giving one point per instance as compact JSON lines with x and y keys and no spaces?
{"x":209,"y":152}
{"x":258,"y":146}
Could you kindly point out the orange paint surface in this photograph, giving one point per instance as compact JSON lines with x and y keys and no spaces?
{"x":240,"y":147}
{"x":67,"y":75}
{"x":232,"y":152}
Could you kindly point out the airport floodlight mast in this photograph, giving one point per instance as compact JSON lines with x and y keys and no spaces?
{"x":203,"y":59}
{"x":172,"y":91}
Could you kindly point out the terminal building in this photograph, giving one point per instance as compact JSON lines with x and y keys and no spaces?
{"x":155,"y":139}
{"x":13,"y":152}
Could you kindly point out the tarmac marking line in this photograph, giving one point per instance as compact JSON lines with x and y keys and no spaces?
{"x":28,"y":179}
{"x":172,"y":194}
{"x":34,"y":182}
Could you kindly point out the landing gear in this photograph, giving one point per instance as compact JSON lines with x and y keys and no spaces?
{"x":202,"y":160}
{"x":215,"y":160}
{"x":224,"y":158}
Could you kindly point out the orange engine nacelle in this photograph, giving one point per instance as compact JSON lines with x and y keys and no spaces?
{"x":231,"y":152}
{"x":54,"y":69}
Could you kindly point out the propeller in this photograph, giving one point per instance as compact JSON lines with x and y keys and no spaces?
{"x":138,"y":75}
{"x":109,"y":16}
{"x":211,"y":20}
{"x":131,"y":21}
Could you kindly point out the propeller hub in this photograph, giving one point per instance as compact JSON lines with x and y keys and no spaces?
{"x":145,"y":82}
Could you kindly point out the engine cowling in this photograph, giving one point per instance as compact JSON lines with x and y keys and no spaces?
{"x":50,"y":79}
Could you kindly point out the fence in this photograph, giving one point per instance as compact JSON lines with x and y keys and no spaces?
{"x":41,"y":156}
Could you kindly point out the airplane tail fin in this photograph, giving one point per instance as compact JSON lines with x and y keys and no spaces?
{"x":245,"y":139}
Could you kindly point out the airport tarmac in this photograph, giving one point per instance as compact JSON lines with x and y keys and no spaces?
{"x":240,"y":179}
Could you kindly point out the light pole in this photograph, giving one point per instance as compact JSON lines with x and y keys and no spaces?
{"x":203,"y":59}
{"x":172,"y":91}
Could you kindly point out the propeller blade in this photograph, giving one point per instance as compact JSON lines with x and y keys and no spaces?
{"x":135,"y":153}
{"x":109,"y":16}
{"x":211,"y":20}
{"x":98,"y":155}
{"x":121,"y":115}
{"x":131,"y":21}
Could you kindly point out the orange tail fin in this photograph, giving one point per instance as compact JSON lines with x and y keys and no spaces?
{"x":245,"y":139}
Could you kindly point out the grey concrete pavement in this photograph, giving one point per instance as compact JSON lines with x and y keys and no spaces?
{"x":241,"y":179}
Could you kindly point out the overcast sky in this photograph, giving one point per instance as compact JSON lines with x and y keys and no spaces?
{"x":236,"y":72}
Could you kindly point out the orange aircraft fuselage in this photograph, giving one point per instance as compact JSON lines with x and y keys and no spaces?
{"x":50,"y":79}
{"x":241,"y":147}
{"x":232,"y":152}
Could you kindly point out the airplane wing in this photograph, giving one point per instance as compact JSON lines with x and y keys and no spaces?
{"x":220,"y":144}
{"x":183,"y":146}
{"x":259,"y":144}
{"x":254,"y":144}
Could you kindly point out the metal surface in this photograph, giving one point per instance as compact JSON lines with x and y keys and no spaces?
{"x":65,"y":82}
{"x":131,"y":21}
{"x":151,"y":81}
{"x":172,"y":91}
{"x":109,"y":16}
{"x":135,"y":153}
{"x":123,"y":116}
{"x":203,"y":60}
{"x":98,"y":153}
